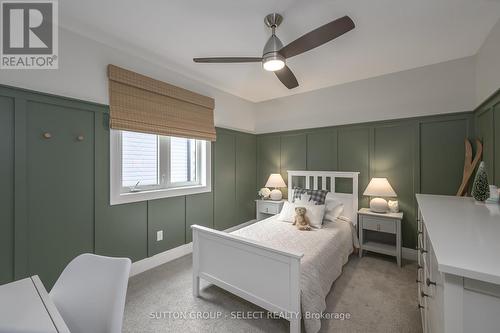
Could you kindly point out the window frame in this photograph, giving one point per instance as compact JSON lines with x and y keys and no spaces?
{"x":165,"y":189}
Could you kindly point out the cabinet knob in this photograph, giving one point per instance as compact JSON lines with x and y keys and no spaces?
{"x":419,"y":306}
{"x":47,"y":135}
{"x":423,"y":294}
{"x":418,"y":281}
{"x":422,"y":250}
{"x":429,"y":282}
{"x":80,"y":138}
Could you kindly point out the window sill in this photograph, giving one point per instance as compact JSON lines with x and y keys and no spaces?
{"x":123,"y":198}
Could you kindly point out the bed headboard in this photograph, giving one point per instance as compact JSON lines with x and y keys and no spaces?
{"x":325,"y":180}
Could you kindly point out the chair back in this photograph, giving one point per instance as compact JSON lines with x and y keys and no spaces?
{"x":90,"y":293}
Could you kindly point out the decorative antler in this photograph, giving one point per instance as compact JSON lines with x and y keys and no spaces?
{"x":469,"y":165}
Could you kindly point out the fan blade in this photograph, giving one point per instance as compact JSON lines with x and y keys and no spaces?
{"x":287,"y":78}
{"x":318,"y":37}
{"x":225,"y":60}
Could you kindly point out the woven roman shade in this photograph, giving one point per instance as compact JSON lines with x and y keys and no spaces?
{"x":142,"y":104}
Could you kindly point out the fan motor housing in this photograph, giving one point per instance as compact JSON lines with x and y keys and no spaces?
{"x":273,"y":45}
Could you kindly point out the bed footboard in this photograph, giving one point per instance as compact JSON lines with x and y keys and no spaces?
{"x":265,"y":276}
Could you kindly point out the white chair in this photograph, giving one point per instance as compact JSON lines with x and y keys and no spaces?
{"x":90,"y":293}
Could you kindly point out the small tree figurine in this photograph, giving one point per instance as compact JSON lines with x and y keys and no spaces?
{"x":480,"y":187}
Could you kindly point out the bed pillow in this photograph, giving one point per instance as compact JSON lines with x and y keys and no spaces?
{"x":297,"y":193}
{"x":333,"y":208}
{"x":316,"y":196}
{"x":315,"y":214}
{"x":287,"y":213}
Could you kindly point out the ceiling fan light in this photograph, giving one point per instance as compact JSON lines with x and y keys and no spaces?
{"x":274,"y":65}
{"x":273,"y":62}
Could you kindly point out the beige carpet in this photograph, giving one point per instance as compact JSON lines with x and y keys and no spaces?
{"x":378,"y":295}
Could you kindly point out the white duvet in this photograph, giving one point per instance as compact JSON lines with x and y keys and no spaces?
{"x":325,"y":251}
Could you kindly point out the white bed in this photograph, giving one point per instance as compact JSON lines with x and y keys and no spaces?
{"x":274,"y":265}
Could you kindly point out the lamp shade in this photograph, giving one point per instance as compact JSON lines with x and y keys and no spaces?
{"x":275,"y":180}
{"x":379,"y":187}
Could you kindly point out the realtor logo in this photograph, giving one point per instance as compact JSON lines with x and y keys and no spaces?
{"x":29,"y":37}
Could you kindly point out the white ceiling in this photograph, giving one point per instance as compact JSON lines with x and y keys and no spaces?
{"x":390,"y":36}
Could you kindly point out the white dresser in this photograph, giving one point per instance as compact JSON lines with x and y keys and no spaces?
{"x":459,"y":265}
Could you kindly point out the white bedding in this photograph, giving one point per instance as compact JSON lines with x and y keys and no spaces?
{"x":325,"y":251}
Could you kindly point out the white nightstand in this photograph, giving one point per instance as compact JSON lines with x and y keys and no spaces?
{"x":389,"y":223}
{"x":267,"y":208}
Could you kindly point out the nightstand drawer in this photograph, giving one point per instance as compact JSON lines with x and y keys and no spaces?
{"x":383,"y":225}
{"x":269,"y":208}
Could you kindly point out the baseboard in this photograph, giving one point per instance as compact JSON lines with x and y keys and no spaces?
{"x":409,"y":254}
{"x":172,"y":254}
{"x":160,"y":259}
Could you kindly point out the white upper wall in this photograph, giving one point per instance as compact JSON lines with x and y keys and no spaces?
{"x":82,"y":75}
{"x":435,"y":89}
{"x":488,"y":65}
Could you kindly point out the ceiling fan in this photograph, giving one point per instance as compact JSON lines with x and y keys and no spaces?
{"x":275,"y":54}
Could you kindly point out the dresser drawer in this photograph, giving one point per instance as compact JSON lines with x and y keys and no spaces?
{"x":269,"y":208}
{"x":383,"y":225}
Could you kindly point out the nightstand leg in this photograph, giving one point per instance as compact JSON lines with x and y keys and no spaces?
{"x":360,"y":233}
{"x":398,"y":242}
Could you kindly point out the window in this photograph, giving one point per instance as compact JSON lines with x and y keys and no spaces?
{"x":148,"y":166}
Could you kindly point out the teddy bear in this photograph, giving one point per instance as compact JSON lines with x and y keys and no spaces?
{"x":301,"y":220}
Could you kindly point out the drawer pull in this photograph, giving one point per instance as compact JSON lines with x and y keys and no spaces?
{"x":429,"y":282}
{"x":47,"y":135}
{"x":419,"y":306}
{"x":423,"y":294}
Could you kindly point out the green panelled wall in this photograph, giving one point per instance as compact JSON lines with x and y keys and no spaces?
{"x":418,"y":155}
{"x":7,"y":189}
{"x":487,"y":118}
{"x":54,"y":193}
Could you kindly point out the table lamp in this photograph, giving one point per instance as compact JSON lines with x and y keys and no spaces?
{"x":379,"y":187}
{"x":275,"y":180}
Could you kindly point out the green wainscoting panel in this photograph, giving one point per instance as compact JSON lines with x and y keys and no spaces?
{"x":354,"y":155}
{"x":199,"y":210}
{"x":120,"y":230}
{"x":486,"y":128}
{"x":293,"y":155}
{"x":168,"y":215}
{"x":56,"y":203}
{"x":391,"y":149}
{"x":225,"y":209}
{"x":487,"y":121}
{"x":268,"y":147}
{"x":7,"y":190}
{"x":246,"y":176}
{"x":496,"y":152}
{"x":60,"y":206}
{"x":322,"y":150}
{"x":442,"y":155}
{"x":392,"y":145}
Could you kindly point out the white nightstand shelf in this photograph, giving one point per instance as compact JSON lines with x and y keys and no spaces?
{"x":388,"y":223}
{"x":267,"y":208}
